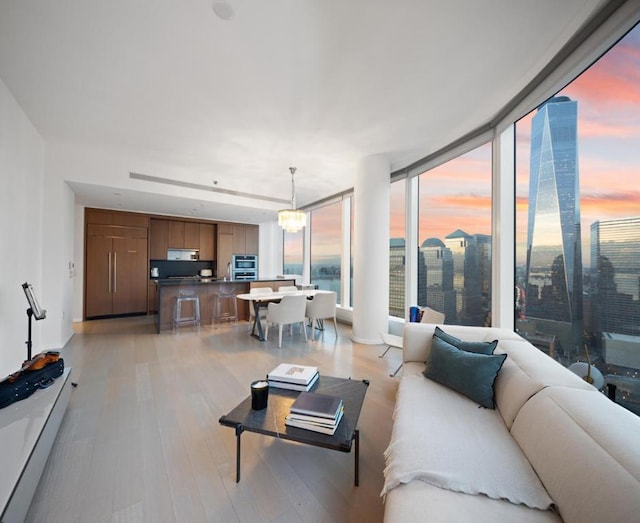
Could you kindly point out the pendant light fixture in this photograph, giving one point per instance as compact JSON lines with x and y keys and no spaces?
{"x":292,"y":220}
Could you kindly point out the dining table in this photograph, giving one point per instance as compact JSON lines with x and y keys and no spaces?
{"x":262,"y":300}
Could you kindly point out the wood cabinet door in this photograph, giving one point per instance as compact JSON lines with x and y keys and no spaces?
{"x":153,"y":298}
{"x":158,"y":239}
{"x":225,"y":228}
{"x":251,"y":241}
{"x":130,"y":275}
{"x":100,"y":216}
{"x":99,"y":277}
{"x":176,"y":235}
{"x":239,"y":239}
{"x":225,"y":250}
{"x":130,"y":219}
{"x":191,"y":235}
{"x":206,"y":242}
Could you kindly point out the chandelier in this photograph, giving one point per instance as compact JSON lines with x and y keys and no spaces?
{"x":292,"y":220}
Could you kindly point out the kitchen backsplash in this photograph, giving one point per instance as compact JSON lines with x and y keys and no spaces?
{"x":167,"y":268}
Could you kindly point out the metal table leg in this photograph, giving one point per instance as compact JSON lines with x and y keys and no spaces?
{"x":257,"y":324}
{"x":239,"y":430}
{"x":356,"y":437}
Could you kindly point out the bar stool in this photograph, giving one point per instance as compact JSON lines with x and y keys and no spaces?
{"x":194,"y":318}
{"x":225,"y":305}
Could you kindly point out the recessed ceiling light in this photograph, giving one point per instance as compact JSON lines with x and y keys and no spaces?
{"x":223,"y":10}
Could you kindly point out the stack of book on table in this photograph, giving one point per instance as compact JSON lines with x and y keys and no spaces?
{"x":293,"y":377}
{"x":316,"y":412}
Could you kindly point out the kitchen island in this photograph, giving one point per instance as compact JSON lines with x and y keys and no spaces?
{"x":206,"y":289}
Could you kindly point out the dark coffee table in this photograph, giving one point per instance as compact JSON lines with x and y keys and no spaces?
{"x":270,"y":421}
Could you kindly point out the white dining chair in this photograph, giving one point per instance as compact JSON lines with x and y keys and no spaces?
{"x":290,"y":310}
{"x":259,"y":291}
{"x":322,"y":306}
{"x":392,"y":341}
{"x":288,"y":288}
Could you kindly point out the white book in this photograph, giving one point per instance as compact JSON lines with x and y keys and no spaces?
{"x":315,"y":427}
{"x":293,"y":386}
{"x":290,"y":373}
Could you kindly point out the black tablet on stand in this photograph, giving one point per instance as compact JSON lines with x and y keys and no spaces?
{"x":34,"y":311}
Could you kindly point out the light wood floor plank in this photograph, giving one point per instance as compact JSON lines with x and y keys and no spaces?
{"x":141,"y":442}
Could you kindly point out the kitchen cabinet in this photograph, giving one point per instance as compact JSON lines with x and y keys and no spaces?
{"x":191,"y":236}
{"x":251,"y":239}
{"x":115,"y":270}
{"x":183,"y":235}
{"x":225,"y":251}
{"x":207,"y":251}
{"x":176,"y":235}
{"x":158,"y":239}
{"x":107,"y":217}
{"x":239,"y":239}
{"x":245,"y":239}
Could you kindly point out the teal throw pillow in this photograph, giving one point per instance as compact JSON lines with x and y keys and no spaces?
{"x":480,"y":347}
{"x":468,"y":373}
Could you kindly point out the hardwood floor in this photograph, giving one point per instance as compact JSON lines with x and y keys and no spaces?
{"x":141,"y":441}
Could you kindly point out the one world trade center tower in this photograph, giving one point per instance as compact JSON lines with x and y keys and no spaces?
{"x":554,"y":248}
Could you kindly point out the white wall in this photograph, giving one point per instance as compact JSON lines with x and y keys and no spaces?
{"x":270,"y":250}
{"x":58,"y":254}
{"x":21,"y":211}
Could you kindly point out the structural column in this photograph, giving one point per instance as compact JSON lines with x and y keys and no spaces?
{"x":371,"y":250}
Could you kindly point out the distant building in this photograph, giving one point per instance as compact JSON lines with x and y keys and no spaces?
{"x":436,"y":273}
{"x":483,"y":241}
{"x":466,"y":277}
{"x":397,"y":269}
{"x":615,"y":276}
{"x":554,"y":250}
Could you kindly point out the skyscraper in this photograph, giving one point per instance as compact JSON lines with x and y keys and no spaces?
{"x":437,"y":277}
{"x":397,"y":268}
{"x":615,"y":275}
{"x":483,"y":242}
{"x":466,"y":277}
{"x":554,"y":253}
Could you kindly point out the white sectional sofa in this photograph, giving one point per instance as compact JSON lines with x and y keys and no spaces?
{"x":553,"y":449}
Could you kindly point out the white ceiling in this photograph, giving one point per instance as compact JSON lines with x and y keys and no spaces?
{"x":318,"y":84}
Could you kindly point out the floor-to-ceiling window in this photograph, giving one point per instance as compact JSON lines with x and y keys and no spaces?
{"x":578,"y":222}
{"x":326,"y":247}
{"x":351,"y":244}
{"x":293,"y":257}
{"x":454,"y":231}
{"x":397,"y":250}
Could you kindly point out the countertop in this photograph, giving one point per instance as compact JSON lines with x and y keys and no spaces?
{"x":200,"y":281}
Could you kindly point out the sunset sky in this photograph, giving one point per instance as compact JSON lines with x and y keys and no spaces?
{"x":457,"y":195}
{"x":608,"y":96}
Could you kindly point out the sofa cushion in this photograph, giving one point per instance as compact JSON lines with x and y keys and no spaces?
{"x":479,"y":347}
{"x":526,"y":372}
{"x":443,"y":438}
{"x":584,"y":448}
{"x":420,"y":501}
{"x":468,"y":373}
{"x":417,"y":338}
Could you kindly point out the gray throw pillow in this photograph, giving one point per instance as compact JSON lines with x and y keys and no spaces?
{"x":468,"y":373}
{"x":479,"y":347}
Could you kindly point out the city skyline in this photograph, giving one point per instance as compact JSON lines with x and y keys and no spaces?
{"x":608,"y":130}
{"x":608,"y":99}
